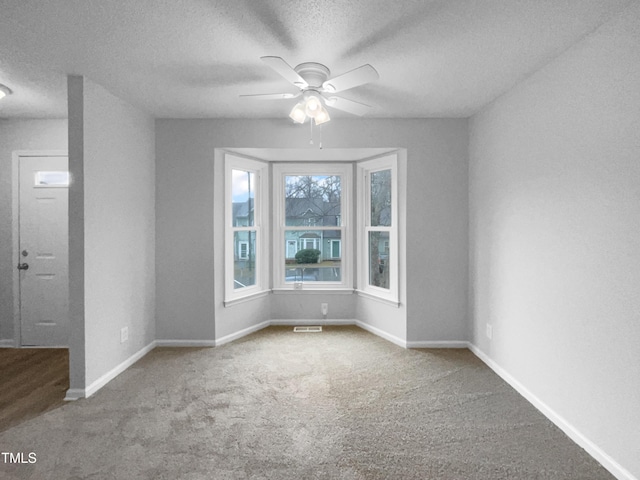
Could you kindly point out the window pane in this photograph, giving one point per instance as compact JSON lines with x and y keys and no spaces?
{"x":381,"y":198}
{"x":243,"y":198}
{"x":313,"y":256}
{"x":52,"y":179}
{"x":379,"y":259}
{"x":312,"y":200}
{"x":244,"y":267}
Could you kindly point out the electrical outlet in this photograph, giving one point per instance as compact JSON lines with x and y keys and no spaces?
{"x":489,"y":331}
{"x":324,"y":308}
{"x":124,"y":334}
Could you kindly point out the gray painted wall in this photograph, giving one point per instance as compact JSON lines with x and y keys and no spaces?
{"x":18,"y":135}
{"x":189,"y":258}
{"x":118,"y":177}
{"x":555,"y":235}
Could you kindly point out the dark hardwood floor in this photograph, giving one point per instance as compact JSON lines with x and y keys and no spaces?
{"x":32,"y":381}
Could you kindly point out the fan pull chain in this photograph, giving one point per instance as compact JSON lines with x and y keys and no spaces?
{"x":320,"y":137}
{"x":310,"y":131}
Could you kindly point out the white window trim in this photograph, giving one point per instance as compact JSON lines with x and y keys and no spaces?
{"x":364,"y":170}
{"x":261,"y":227}
{"x":280,"y":170}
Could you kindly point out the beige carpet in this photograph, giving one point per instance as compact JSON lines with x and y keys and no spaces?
{"x":341,"y":404}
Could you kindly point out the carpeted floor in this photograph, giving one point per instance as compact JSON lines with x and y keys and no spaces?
{"x":341,"y":404}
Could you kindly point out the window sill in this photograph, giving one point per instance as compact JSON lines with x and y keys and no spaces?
{"x":246,"y":298}
{"x":314,"y":290}
{"x":371,"y":296}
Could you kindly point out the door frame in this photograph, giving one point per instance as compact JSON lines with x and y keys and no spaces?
{"x":15,"y":230}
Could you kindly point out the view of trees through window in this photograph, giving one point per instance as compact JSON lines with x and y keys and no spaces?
{"x":329,"y":225}
{"x":244,"y":237}
{"x":312,"y":241}
{"x":380,"y":221}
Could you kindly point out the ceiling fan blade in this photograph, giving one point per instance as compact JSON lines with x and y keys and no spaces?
{"x":359,"y":76}
{"x":349,"y":106}
{"x":284,"y":69}
{"x":272,"y":96}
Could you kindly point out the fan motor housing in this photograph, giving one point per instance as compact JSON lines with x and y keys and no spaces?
{"x":315,"y":74}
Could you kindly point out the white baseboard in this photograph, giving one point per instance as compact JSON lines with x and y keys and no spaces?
{"x":591,"y":448}
{"x":185,"y":343}
{"x":311,"y":321}
{"x":596,"y":452}
{"x":241,"y":333}
{"x":76,"y":393}
{"x":7,"y":343}
{"x":381,"y":333}
{"x":438,"y":344}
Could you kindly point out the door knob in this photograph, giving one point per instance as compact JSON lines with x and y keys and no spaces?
{"x":23,"y":266}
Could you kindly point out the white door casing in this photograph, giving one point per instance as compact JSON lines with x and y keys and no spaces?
{"x":43,"y":255}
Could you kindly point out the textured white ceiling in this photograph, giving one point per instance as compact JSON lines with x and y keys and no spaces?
{"x":192,"y":58}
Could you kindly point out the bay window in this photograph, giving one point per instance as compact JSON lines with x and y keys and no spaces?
{"x":308,"y":237}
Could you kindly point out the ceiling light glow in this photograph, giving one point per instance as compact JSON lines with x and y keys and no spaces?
{"x":298,"y":114}
{"x":311,"y":107}
{"x":322,"y":116}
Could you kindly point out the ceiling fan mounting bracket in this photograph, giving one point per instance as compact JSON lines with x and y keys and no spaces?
{"x":315,"y":74}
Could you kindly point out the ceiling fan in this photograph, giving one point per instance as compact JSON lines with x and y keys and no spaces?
{"x":317,"y":89}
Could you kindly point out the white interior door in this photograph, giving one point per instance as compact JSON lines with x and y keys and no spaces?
{"x":44,"y":253}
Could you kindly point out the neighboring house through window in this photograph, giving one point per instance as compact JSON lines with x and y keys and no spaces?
{"x":246,"y":233}
{"x":311,"y":241}
{"x":311,"y":213}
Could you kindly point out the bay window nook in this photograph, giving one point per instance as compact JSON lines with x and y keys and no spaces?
{"x":323,"y":230}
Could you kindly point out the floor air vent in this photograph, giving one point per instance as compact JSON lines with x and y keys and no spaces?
{"x":307,"y":329}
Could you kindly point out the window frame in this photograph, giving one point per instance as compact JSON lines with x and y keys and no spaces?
{"x":260,"y":225}
{"x":364,"y":170}
{"x":284,"y":169}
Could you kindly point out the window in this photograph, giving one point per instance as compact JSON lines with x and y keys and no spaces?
{"x":52,"y":179}
{"x":311,"y":216}
{"x":310,"y":239}
{"x":246,"y":233}
{"x":378,"y":223}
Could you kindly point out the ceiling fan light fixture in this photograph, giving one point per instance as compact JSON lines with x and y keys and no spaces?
{"x":4,"y":91}
{"x":322,"y":116}
{"x":313,"y":105}
{"x":298,"y":114}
